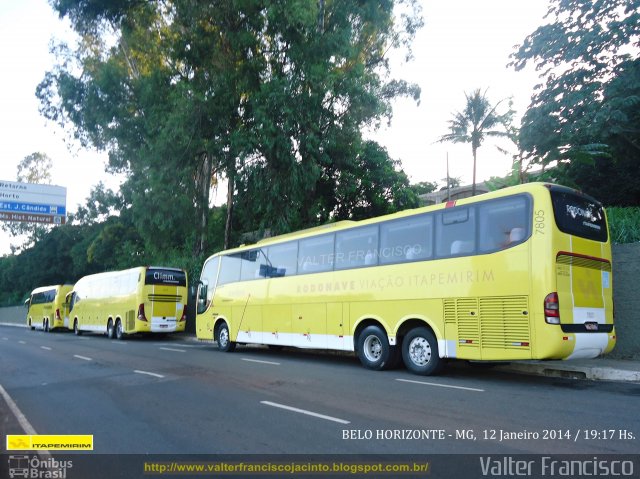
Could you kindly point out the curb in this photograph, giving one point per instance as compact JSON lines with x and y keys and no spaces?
{"x":572,"y":371}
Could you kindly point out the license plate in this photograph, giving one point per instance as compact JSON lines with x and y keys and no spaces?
{"x":591,"y":326}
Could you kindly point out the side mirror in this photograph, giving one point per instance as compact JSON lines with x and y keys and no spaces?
{"x":201,"y":298}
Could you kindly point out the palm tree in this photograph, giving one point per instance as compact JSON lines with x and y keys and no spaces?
{"x":477,"y":121}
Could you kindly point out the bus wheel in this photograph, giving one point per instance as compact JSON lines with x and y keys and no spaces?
{"x":420,"y":352}
{"x":111,"y":333}
{"x":45,"y":325}
{"x":119,"y":332}
{"x":224,"y":339}
{"x":31,"y":326}
{"x":76,"y":330}
{"x":373,"y":349}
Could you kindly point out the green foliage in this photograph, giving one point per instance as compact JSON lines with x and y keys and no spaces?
{"x":588,"y":57}
{"x":624,"y":224}
{"x":49,"y":261}
{"x":34,"y":168}
{"x":271,"y":96}
{"x":424,"y":187}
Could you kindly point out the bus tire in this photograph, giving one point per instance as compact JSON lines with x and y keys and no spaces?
{"x":420,"y":352}
{"x":374,"y":351}
{"x":31,"y":325}
{"x":224,"y":339}
{"x":111,"y":332}
{"x":120,"y":334}
{"x":76,"y":330}
{"x":45,"y":325}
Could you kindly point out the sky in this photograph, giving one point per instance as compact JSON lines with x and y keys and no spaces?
{"x":464,"y":45}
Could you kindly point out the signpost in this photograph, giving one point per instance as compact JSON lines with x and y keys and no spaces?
{"x":32,"y":203}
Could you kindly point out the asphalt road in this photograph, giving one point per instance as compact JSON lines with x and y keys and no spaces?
{"x":177,"y":396}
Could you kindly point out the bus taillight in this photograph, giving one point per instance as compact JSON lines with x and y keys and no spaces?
{"x":141,"y":315}
{"x":184,"y":314}
{"x":552,"y":309}
{"x":58,"y":314}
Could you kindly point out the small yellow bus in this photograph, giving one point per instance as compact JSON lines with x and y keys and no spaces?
{"x":136,"y":300}
{"x":46,"y":307}
{"x":519,"y":273}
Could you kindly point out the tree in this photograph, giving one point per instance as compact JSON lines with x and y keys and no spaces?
{"x":35,"y":169}
{"x":424,"y":187}
{"x":478,"y":120}
{"x":326,"y":77}
{"x":583,"y":117}
{"x":272,"y":94}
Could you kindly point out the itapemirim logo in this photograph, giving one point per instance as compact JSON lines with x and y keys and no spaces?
{"x":42,"y":442}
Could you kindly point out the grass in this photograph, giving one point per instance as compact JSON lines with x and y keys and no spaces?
{"x":624,"y":224}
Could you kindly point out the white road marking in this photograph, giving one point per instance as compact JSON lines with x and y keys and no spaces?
{"x":47,"y":348}
{"x":261,"y":362}
{"x":22,"y":342}
{"x":303,"y":411}
{"x":440,"y":385}
{"x":155,"y":375}
{"x":5,"y":339}
{"x":22,"y":420}
{"x":82,"y":357}
{"x":172,"y":349}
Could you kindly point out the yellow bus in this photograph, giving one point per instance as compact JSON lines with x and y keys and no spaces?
{"x":136,"y":300}
{"x":519,"y":273}
{"x":46,"y":307}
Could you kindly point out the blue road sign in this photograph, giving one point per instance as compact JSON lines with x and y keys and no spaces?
{"x":32,"y":208}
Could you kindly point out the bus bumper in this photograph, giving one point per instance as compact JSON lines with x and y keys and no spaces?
{"x":160,"y":325}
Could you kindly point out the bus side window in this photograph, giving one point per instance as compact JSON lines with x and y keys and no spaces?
{"x":357,"y":247}
{"x":456,"y":232}
{"x":250,"y":267}
{"x":315,"y":254}
{"x":408,"y":239}
{"x":229,"y":269}
{"x":502,"y":223}
{"x":282,"y":260}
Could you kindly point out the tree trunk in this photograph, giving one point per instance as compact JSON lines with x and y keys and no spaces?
{"x":473,"y":187}
{"x":205,"y":184}
{"x":227,"y":226}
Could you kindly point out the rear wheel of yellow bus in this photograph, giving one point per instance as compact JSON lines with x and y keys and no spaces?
{"x":420,"y":352}
{"x":119,"y":331}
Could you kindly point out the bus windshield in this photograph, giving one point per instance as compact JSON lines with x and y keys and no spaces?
{"x":579,"y":215}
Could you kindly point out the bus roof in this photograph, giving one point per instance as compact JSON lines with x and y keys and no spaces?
{"x":40,"y":289}
{"x":345,"y":224}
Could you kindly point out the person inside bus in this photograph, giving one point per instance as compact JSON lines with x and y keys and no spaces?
{"x":514,"y":236}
